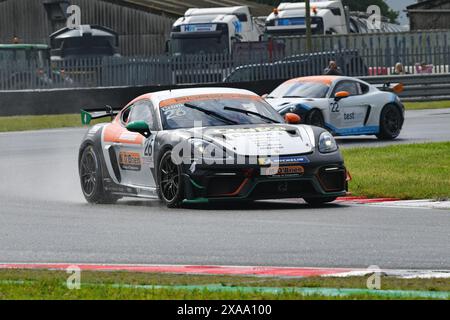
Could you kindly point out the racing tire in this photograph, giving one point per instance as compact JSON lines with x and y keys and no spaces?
{"x":391,"y":122}
{"x":315,"y":118}
{"x":91,"y":179}
{"x":170,"y":181}
{"x":319,"y":201}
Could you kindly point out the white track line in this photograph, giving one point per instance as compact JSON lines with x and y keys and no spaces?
{"x":421,"y":204}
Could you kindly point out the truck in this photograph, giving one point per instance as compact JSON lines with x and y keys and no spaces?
{"x":327,"y":17}
{"x":84,"y":41}
{"x":27,"y":66}
{"x":213,"y":30}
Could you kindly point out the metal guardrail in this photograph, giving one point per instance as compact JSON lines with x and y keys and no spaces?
{"x":411,"y":79}
{"x":213,"y":69}
{"x":418,"y":87}
{"x":415,"y":41}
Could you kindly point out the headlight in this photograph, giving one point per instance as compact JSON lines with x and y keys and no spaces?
{"x":327,"y":143}
{"x":205,"y":149}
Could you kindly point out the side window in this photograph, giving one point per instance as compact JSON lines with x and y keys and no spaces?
{"x":242,"y":17}
{"x":364,"y":88}
{"x":349,"y":86}
{"x":126,"y":114}
{"x":143,"y":111}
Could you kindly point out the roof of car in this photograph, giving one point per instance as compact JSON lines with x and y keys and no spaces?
{"x":159,"y":96}
{"x":328,"y":80}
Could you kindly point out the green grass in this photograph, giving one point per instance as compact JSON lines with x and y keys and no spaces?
{"x":414,"y":171}
{"x":34,"y":284}
{"x":24,"y":123}
{"x":427,"y":105}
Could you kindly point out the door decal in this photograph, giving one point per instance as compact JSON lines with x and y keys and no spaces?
{"x":130,"y":161}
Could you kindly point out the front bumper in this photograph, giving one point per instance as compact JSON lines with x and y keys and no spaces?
{"x":325,"y":177}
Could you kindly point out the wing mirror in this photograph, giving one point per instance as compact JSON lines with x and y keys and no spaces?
{"x":341,"y":95}
{"x":292,"y":118}
{"x":140,"y":127}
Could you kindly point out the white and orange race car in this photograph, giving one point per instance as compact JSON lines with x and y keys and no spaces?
{"x":207,"y":144}
{"x":343,"y":105}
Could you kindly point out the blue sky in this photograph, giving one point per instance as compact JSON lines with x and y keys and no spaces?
{"x":400,"y":5}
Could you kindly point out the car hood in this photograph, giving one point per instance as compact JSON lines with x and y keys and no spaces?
{"x":281,"y":103}
{"x":259,"y":140}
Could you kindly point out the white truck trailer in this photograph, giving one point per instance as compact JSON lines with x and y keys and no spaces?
{"x":213,"y":30}
{"x":327,"y":17}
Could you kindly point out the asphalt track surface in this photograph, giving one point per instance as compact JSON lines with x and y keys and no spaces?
{"x":420,"y":126}
{"x":44,"y":218}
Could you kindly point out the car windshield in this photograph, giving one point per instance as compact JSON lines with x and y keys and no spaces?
{"x":210,"y":112}
{"x":300,"y":90}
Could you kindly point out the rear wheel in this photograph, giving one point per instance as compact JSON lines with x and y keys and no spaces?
{"x":91,"y":178}
{"x":319,"y":201}
{"x":315,"y":118}
{"x":170,"y":182}
{"x":391,"y":121}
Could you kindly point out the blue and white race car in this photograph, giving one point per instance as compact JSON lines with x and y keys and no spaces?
{"x":345,"y":106}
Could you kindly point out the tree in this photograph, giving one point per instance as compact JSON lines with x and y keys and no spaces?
{"x":354,"y":5}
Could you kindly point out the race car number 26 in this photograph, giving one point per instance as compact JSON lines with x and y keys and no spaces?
{"x":148,"y":147}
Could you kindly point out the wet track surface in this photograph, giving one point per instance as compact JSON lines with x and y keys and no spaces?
{"x":44,"y":218}
{"x":420,"y":126}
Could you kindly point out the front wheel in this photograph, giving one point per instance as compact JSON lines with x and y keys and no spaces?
{"x":170,"y":183}
{"x":319,"y":201}
{"x":315,"y":118}
{"x":91,"y":178}
{"x":391,"y":121}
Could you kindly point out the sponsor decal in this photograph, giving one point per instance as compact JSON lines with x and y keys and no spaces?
{"x":174,"y":111}
{"x":201,"y":27}
{"x":283,"y":161}
{"x":282,"y":171}
{"x":349,"y":116}
{"x":130,"y":161}
{"x":290,"y":22}
{"x":292,"y":160}
{"x":128,"y":136}
{"x":212,"y":96}
{"x":235,"y":132}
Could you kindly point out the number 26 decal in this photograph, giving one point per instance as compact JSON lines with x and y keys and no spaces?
{"x":148,"y":148}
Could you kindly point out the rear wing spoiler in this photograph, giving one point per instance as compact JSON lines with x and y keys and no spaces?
{"x":87,"y":115}
{"x":396,"y":88}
